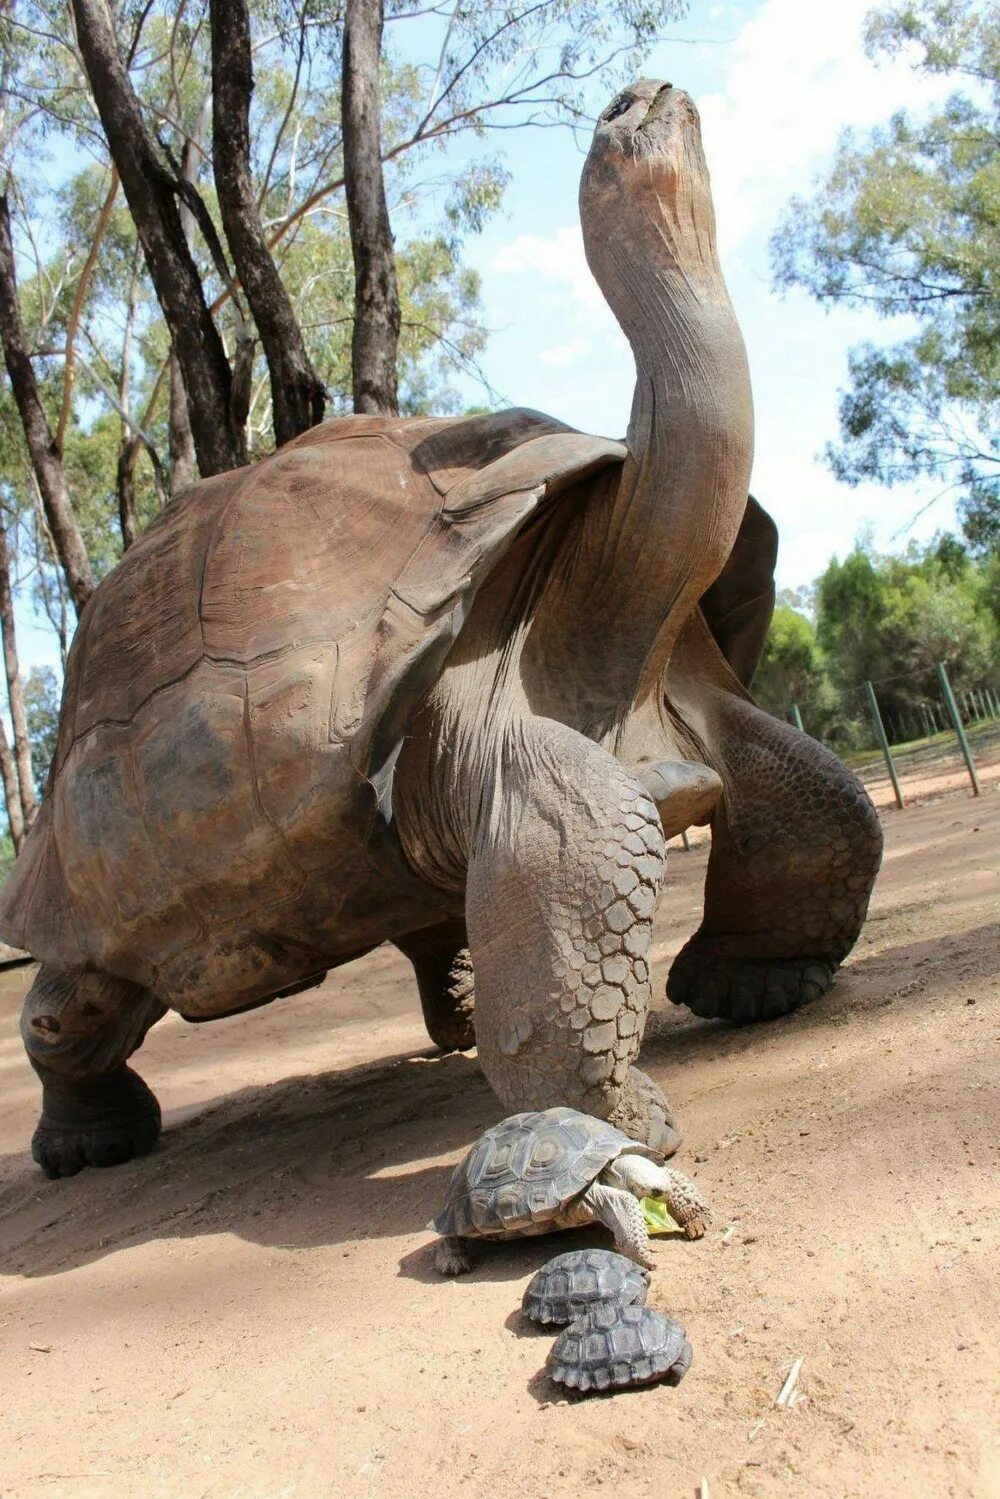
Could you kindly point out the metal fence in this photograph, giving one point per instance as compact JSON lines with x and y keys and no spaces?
{"x":914,"y":738}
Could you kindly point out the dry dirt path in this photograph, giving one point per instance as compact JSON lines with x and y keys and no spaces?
{"x":250,"y":1311}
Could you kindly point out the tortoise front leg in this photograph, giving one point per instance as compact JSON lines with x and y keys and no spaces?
{"x":796,"y":846}
{"x":441,"y":962}
{"x":622,"y":1213}
{"x":79,"y":1028}
{"x":566,"y":864}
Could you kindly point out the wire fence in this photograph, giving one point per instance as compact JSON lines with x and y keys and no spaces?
{"x":930,"y":743}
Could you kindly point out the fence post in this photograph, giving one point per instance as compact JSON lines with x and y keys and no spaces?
{"x":883,"y":741}
{"x":797,"y":718}
{"x":956,"y":723}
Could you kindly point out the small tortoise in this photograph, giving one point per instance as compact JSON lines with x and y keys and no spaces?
{"x":569,"y":1285}
{"x":613,"y":1347}
{"x":557,"y":1168}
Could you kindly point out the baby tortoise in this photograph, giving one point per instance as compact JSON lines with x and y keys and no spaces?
{"x":557,"y":1168}
{"x":616,"y":1347}
{"x":569,"y":1285}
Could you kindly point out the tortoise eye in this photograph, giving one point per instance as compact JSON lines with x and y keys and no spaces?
{"x":619,"y":107}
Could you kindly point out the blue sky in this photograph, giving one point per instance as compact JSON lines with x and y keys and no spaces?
{"x":776,"y":82}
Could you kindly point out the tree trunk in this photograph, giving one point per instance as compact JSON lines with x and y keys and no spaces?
{"x":125,"y":484}
{"x":183,"y":466}
{"x":376,"y":295}
{"x":12,"y":795}
{"x":128,"y":446}
{"x":15,"y":692}
{"x":297,"y":395}
{"x":46,"y":459}
{"x":151,"y":194}
{"x":182,"y":459}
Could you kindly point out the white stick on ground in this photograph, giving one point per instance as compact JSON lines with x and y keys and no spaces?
{"x":788,"y":1388}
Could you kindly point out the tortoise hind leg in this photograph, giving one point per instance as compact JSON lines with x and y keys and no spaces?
{"x":441,"y":962}
{"x":453,"y":1256}
{"x":78,"y":1030}
{"x":796,"y":846}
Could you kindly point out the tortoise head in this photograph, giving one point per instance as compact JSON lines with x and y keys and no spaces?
{"x":645,"y":197}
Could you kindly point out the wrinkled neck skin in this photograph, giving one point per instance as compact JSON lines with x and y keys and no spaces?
{"x":645,"y":554}
{"x":578,"y":623}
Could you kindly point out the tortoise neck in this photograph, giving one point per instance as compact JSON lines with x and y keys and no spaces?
{"x":644,"y":550}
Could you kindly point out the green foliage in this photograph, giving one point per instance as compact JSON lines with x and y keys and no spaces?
{"x":794,"y":670}
{"x":42,"y":697}
{"x":6,"y":855}
{"x":791,"y":668}
{"x":908,"y":222}
{"x":890,"y":620}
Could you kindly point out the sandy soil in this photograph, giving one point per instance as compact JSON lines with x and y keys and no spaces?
{"x":250,"y":1311}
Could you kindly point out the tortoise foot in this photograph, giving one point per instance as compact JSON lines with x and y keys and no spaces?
{"x":643,"y":1114}
{"x":451,"y":1257}
{"x":94,"y":1122}
{"x":741,"y":989}
{"x":456,"y":1032}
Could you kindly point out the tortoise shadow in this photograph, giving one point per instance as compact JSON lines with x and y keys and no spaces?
{"x":257,"y":1162}
{"x":367,"y":1140}
{"x":545,"y":1392}
{"x":510,"y":1260}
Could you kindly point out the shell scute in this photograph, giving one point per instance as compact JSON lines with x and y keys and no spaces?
{"x":619,"y":1345}
{"x":568,"y":1286}
{"x":264,"y":642}
{"x":523,"y":1172}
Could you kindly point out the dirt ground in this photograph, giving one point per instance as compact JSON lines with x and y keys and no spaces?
{"x":251,"y":1310}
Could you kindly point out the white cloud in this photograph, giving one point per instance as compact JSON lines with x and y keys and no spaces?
{"x":562,"y":354}
{"x":796,"y":77}
{"x":557,"y":258}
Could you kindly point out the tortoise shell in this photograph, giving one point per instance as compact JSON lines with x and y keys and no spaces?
{"x":525,"y":1172}
{"x":613,"y":1347}
{"x":237,"y":692}
{"x":569,"y":1285}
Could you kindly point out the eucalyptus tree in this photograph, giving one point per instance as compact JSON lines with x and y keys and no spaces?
{"x":908,"y":223}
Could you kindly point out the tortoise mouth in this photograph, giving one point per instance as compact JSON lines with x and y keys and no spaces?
{"x":648,"y":119}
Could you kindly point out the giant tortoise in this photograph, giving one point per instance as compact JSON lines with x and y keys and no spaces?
{"x":450,"y":684}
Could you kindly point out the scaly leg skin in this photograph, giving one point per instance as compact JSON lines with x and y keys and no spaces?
{"x":796,"y":846}
{"x":622,"y":1214}
{"x":565,"y":868}
{"x":441,"y":962}
{"x":452,"y":1257}
{"x":78,"y":1030}
{"x":682,"y":1365}
{"x":685,"y":1204}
